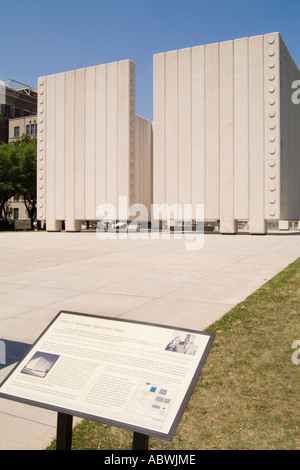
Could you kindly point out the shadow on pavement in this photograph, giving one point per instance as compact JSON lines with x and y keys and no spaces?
{"x":12,"y":352}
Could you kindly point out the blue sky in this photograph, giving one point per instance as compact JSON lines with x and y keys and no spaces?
{"x":42,"y":37}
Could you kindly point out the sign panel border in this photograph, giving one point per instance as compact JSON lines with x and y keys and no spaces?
{"x":112,"y":422}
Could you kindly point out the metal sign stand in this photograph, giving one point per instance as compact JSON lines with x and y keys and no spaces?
{"x":64,"y":431}
{"x":140,"y":441}
{"x":64,"y":435}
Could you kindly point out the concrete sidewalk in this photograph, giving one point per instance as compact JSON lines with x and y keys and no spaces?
{"x":149,"y":280}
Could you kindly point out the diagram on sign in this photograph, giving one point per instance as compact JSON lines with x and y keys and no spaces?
{"x":152,"y":400}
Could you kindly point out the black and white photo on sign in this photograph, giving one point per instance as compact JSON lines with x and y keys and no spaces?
{"x":40,"y":364}
{"x":183,"y":343}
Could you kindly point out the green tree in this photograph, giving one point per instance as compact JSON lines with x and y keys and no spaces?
{"x":18,"y":175}
{"x":26,"y":182}
{"x":8,"y":172}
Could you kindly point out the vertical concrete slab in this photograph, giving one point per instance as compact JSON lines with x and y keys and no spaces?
{"x":112,"y":133}
{"x":101,"y":135}
{"x":159,"y":128}
{"x":256,"y":136}
{"x":241,"y":130}
{"x":171,"y":135}
{"x":198,"y":127}
{"x":126,"y":115}
{"x":138,"y":169}
{"x":212,"y":171}
{"x":52,"y":223}
{"x":50,"y":161}
{"x":184,"y":127}
{"x":70,"y":153}
{"x":79,"y":137}
{"x":59,"y":146}
{"x":227,"y":222}
{"x":123,"y":144}
{"x":90,"y":142}
{"x":132,"y":154}
{"x":272,"y":126}
{"x":41,"y":151}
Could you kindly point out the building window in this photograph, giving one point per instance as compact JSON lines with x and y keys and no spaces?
{"x":31,"y":129}
{"x":16,"y":213}
{"x":17,"y":112}
{"x":17,"y":131}
{"x":7,"y":109}
{"x":26,"y":113}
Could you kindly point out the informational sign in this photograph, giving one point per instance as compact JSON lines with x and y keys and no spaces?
{"x":129,"y":374}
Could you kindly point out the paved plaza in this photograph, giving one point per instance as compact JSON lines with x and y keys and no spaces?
{"x":151,"y":280}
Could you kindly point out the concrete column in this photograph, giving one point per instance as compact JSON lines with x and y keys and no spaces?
{"x":284,"y":225}
{"x":53,"y":225}
{"x":73,"y":225}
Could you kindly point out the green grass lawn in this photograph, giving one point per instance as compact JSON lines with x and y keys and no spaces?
{"x":248,"y":394}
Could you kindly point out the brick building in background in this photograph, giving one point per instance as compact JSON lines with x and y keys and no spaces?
{"x":18,"y":116}
{"x":17,"y":100}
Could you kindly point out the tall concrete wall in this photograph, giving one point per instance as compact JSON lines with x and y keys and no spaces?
{"x":218,"y":137}
{"x":86,"y":142}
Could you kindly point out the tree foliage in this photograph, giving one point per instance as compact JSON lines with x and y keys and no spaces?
{"x":18,"y":174}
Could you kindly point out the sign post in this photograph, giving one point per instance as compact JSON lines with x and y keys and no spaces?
{"x":134,"y":375}
{"x":64,"y":432}
{"x":140,"y":441}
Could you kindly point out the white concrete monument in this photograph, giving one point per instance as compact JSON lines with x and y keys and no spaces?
{"x":226,"y":132}
{"x":87,"y":142}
